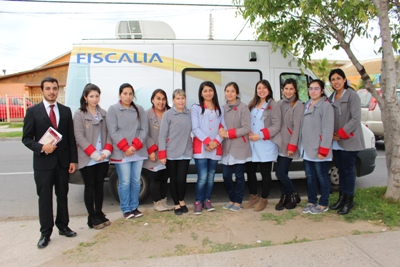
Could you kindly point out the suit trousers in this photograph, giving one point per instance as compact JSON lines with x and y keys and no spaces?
{"x":45,"y":180}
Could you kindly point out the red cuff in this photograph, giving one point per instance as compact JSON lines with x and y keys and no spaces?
{"x":162,"y":154}
{"x":108,"y":147}
{"x":232,"y":133}
{"x":216,"y":141}
{"x":291,"y":147}
{"x":89,"y":150}
{"x":323,"y":151}
{"x":152,"y":149}
{"x":207,"y":141}
{"x":220,"y":126}
{"x":343,"y":134}
{"x":123,"y":145}
{"x":137,"y":144}
{"x":265,"y":131}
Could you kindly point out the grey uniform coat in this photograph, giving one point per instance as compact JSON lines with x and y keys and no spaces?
{"x":348,"y":120}
{"x":237,"y":120}
{"x":317,"y":129}
{"x":175,"y":134}
{"x":290,"y":126}
{"x":272,"y":123}
{"x":126,"y":129}
{"x":86,"y":134}
{"x":152,"y":138}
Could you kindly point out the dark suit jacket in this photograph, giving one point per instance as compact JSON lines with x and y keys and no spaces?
{"x":36,"y":123}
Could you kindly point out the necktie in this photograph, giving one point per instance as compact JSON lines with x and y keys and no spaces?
{"x":53,"y":117}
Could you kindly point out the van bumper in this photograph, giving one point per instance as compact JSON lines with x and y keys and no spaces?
{"x":365,"y":161}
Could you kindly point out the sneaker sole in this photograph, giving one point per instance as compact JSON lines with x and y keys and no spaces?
{"x":308,"y":211}
{"x":197,"y":213}
{"x":212,"y":209}
{"x":129,"y":217}
{"x":319,"y":212}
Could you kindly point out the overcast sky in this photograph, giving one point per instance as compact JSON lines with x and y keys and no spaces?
{"x":35,"y":33}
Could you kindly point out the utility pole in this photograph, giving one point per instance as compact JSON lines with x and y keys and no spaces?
{"x":210,"y":36}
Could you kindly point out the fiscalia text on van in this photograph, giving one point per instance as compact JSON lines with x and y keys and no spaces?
{"x":113,"y":57}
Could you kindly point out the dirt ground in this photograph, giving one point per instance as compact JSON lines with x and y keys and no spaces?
{"x":164,"y":234}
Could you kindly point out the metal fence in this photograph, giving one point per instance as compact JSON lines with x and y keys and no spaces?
{"x":13,"y":107}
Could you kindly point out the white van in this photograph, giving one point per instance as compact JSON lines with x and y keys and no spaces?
{"x":169,"y":63}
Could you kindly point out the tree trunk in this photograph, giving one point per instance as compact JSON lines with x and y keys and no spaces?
{"x":390,"y":110}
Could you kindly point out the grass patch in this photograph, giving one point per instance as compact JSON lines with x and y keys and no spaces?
{"x":295,"y":241}
{"x":16,"y":125}
{"x":4,"y":123}
{"x":11,"y":134}
{"x":281,"y":218}
{"x":221,"y":247}
{"x":370,"y":205}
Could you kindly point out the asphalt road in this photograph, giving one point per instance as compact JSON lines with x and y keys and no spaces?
{"x":18,"y":197}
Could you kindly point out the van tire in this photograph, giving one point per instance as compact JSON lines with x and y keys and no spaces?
{"x":334,"y":175}
{"x":144,"y":186}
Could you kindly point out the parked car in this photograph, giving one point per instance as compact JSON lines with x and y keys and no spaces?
{"x":371,"y":112}
{"x":16,"y":109}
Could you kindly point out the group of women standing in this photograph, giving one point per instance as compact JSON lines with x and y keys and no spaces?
{"x":245,"y":138}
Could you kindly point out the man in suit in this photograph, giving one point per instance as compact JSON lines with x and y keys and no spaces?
{"x":52,"y":164}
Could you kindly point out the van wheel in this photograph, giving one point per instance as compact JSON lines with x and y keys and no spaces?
{"x":144,"y":186}
{"x":334,"y":175}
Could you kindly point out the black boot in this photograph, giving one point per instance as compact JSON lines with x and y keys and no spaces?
{"x":94,"y":222}
{"x":348,"y":205}
{"x":102,"y":217}
{"x":282,"y":202}
{"x":292,"y":201}
{"x":296,"y":195}
{"x":339,"y":204}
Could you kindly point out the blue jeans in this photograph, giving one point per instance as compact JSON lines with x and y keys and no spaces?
{"x":345,"y":161}
{"x":235,"y":194}
{"x":129,"y":184}
{"x":318,"y":172}
{"x":282,"y":172}
{"x":205,"y":178}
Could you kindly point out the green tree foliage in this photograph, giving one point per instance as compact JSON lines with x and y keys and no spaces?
{"x":322,"y":68}
{"x":303,"y":27}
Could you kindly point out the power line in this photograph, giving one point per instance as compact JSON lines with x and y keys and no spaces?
{"x":123,"y":3}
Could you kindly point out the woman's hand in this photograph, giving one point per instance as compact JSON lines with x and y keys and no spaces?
{"x":289,"y":153}
{"x":321,"y":157}
{"x":254,"y":137}
{"x":153,"y":156}
{"x":223,"y":133}
{"x":336,"y":137}
{"x":163,"y":161}
{"x":130,"y":152}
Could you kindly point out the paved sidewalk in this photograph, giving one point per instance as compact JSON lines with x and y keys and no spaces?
{"x":18,"y":248}
{"x":5,"y":129}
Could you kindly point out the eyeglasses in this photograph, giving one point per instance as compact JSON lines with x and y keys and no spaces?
{"x":314,"y":88}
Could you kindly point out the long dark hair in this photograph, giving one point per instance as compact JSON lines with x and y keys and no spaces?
{"x":214,"y":99}
{"x":161,"y":91}
{"x":127,"y":85}
{"x":321,"y":84}
{"x":296,"y":94}
{"x":256,"y":99}
{"x":340,"y":72}
{"x":86,"y":91}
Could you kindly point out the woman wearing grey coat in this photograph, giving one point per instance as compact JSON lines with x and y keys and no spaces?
{"x":94,"y":148}
{"x":316,"y":141}
{"x":347,"y":139}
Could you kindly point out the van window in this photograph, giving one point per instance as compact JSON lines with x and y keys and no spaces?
{"x":302,"y":84}
{"x":246,"y":80}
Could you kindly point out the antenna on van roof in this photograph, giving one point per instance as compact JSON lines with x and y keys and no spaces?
{"x":210,"y":36}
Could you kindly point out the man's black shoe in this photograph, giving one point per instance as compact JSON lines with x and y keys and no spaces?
{"x":67,"y":232}
{"x":43,"y":241}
